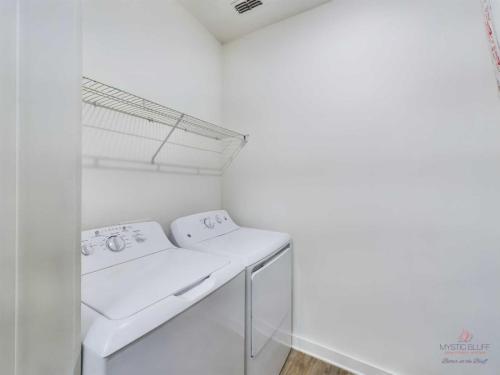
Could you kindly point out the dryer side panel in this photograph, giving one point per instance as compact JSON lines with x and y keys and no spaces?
{"x":271,"y":300}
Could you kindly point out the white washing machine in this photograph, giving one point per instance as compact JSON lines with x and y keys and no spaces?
{"x":268,"y":260}
{"x":151,"y":308}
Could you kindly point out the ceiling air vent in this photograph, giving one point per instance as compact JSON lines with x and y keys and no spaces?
{"x":245,"y":6}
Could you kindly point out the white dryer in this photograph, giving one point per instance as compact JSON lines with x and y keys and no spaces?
{"x":268,"y":260}
{"x":151,"y":308}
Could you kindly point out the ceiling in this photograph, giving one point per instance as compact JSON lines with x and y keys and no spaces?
{"x":222,"y":19}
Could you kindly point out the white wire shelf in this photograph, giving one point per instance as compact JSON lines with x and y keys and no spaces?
{"x":123,"y":130}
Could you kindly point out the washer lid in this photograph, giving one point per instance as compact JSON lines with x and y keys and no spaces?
{"x":123,"y":290}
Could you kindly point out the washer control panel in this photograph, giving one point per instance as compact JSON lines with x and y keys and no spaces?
{"x":108,"y":246}
{"x":199,"y":227}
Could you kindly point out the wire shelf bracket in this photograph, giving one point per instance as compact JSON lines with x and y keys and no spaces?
{"x":166,"y":139}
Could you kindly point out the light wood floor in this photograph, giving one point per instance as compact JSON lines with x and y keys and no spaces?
{"x":301,"y":364}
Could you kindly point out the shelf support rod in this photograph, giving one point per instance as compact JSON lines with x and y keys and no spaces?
{"x":166,"y":138}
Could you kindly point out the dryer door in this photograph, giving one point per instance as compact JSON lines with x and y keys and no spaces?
{"x":271,"y":299}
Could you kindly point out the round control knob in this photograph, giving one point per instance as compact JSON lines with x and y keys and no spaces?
{"x":87,"y":250}
{"x":208,"y":223}
{"x":115,"y":243}
{"x":218,"y":219}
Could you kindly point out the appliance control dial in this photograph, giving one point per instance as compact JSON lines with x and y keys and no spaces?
{"x":218,"y":219}
{"x":115,"y":243}
{"x":87,"y":250}
{"x":208,"y":223}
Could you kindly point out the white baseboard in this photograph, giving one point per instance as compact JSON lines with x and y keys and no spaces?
{"x":335,"y":358}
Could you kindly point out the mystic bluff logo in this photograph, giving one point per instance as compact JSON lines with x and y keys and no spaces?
{"x":465,"y":350}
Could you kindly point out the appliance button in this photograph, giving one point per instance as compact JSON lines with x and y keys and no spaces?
{"x":140,"y":239}
{"x":87,"y":250}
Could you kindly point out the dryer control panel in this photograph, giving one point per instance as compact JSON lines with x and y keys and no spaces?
{"x":203,"y":226}
{"x":108,"y":246}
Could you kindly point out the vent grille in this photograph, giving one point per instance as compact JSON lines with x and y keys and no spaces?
{"x":247,"y":5}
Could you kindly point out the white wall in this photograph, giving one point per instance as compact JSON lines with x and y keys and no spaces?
{"x":40,"y":187}
{"x":155,"y":49}
{"x":8,"y":95}
{"x":375,"y":141}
